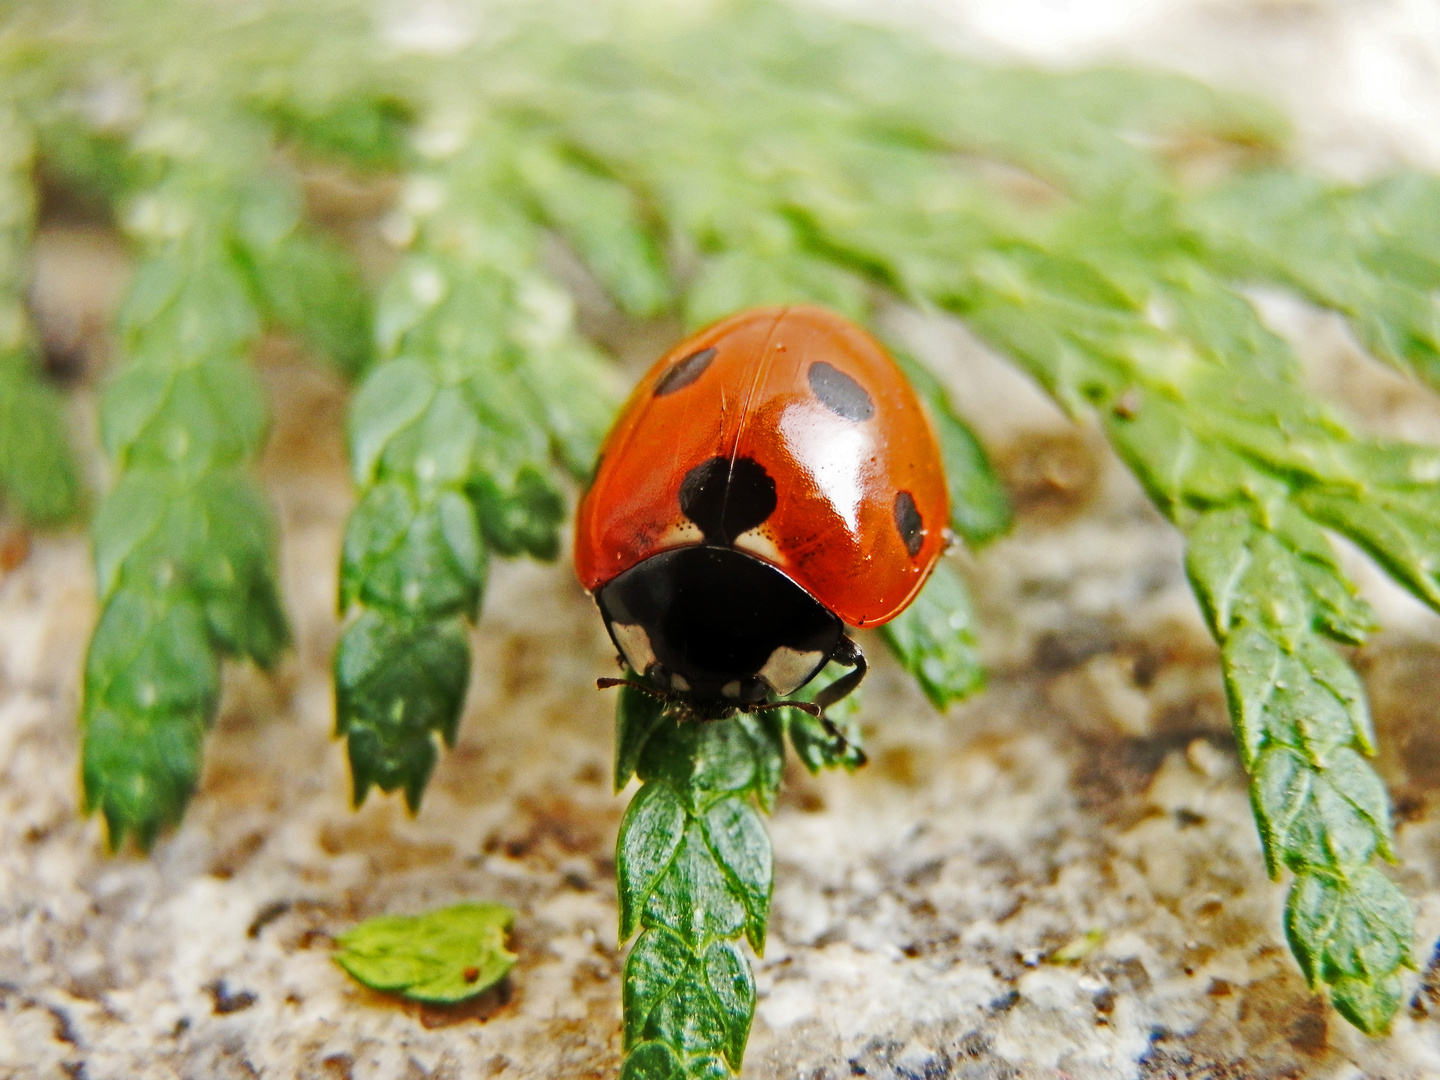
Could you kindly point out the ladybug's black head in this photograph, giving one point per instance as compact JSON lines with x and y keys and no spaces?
{"x":717,"y":627}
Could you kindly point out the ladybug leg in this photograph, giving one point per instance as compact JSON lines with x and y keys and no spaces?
{"x":848,"y":653}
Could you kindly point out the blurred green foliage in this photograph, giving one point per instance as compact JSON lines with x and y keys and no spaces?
{"x":698,"y":160}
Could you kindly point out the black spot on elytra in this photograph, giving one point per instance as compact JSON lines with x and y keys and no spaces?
{"x":840,"y":393}
{"x":907,"y":520}
{"x":684,"y":372}
{"x":726,"y":498}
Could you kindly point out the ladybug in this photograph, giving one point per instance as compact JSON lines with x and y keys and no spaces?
{"x":771,"y":481}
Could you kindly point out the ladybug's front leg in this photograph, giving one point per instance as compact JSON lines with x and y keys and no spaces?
{"x":846,"y":652}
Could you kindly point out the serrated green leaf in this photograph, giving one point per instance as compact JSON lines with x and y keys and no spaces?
{"x":398,"y":684}
{"x":700,"y":759}
{"x":525,"y":521}
{"x":368,"y":131}
{"x":741,"y":847}
{"x":393,"y":396}
{"x":150,"y":654}
{"x":441,"y":957}
{"x":442,"y":447}
{"x":139,"y":768}
{"x":190,"y":302}
{"x":38,"y":473}
{"x":767,"y":741}
{"x":707,"y":1067}
{"x":651,"y":1061}
{"x":1368,"y":1003}
{"x":650,"y":835}
{"x":188,"y":421}
{"x":1312,"y":819}
{"x":602,"y":219}
{"x":657,"y":962}
{"x":310,"y":286}
{"x":637,"y":715}
{"x":934,"y":639}
{"x":215,"y":538}
{"x":1288,"y":699}
{"x":422,"y":558}
{"x":1350,"y":928}
{"x":689,"y":1018}
{"x":578,"y":394}
{"x":816,"y":747}
{"x":728,"y":977}
{"x":694,"y":896}
{"x":152,"y":682}
{"x":1397,"y":528}
{"x":737,"y":280}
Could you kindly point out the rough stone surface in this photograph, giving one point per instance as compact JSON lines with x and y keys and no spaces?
{"x":1091,"y":798}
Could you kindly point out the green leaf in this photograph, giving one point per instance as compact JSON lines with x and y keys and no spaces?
{"x":689,"y":1019}
{"x":152,"y":682}
{"x":934,"y":639}
{"x":398,"y":684}
{"x":658,"y":961}
{"x":1312,"y":819}
{"x":1309,"y":700}
{"x":694,"y":896}
{"x":1397,"y":527}
{"x":767,"y":740}
{"x":215,"y":537}
{"x":602,"y":219}
{"x":816,"y":747}
{"x":650,"y":836}
{"x":369,"y":130}
{"x":441,"y":957}
{"x":1354,"y":928}
{"x":526,"y":520}
{"x":637,"y":715}
{"x":727,"y":975}
{"x":310,"y":286}
{"x":741,"y":847}
{"x":38,"y":473}
{"x":139,"y":770}
{"x":189,"y":421}
{"x":420,"y":557}
{"x":1369,"y":1003}
{"x":700,"y":759}
{"x":392,"y":397}
{"x":651,"y":1061}
{"x":736,"y":280}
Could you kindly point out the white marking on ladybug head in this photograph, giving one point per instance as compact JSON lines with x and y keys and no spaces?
{"x":635,"y":644}
{"x":683,"y":533}
{"x":679,"y":682}
{"x":731,"y":689}
{"x":756,"y":542}
{"x":789,"y":669}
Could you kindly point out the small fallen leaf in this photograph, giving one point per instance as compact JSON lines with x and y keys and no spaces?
{"x":1078,"y":948}
{"x":440,"y":957}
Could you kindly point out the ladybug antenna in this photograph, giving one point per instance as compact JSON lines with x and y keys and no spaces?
{"x":646,"y":688}
{"x":803,"y":706}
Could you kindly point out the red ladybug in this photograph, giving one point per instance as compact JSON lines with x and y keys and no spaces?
{"x":771,"y":480}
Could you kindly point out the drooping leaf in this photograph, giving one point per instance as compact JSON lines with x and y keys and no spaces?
{"x":935,"y":640}
{"x":441,"y":957}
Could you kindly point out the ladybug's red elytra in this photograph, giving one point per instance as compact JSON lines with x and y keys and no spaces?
{"x":770,"y":481}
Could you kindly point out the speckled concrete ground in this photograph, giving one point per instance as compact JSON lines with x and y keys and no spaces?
{"x":1093,"y":789}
